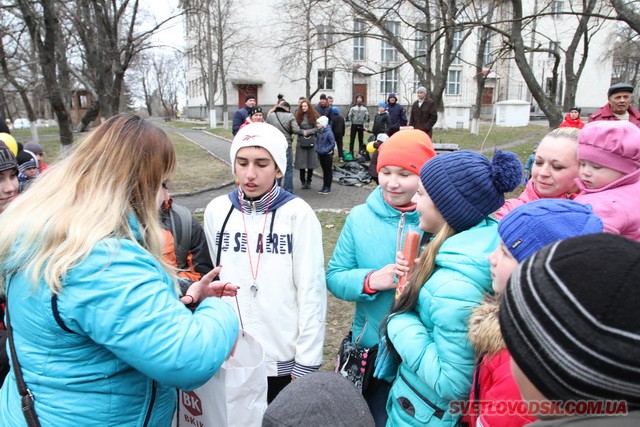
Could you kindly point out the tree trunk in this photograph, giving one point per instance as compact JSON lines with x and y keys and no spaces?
{"x":47,"y":49}
{"x":548,"y":106}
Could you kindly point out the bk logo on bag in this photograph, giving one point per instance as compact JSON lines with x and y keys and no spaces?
{"x":192,"y":403}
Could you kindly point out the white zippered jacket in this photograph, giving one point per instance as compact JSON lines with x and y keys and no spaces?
{"x":287,"y":312}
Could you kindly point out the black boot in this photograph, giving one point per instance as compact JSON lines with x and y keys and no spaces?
{"x":308,"y":184}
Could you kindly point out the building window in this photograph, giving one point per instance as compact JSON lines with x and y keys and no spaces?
{"x":325,"y":35}
{"x":358,"y":42}
{"x":456,"y":48}
{"x":388,"y":52}
{"x":557,"y":7}
{"x":421,"y":45}
{"x":487,"y":55}
{"x":553,"y":47}
{"x":325,"y":79}
{"x":453,"y":82}
{"x":388,"y":80}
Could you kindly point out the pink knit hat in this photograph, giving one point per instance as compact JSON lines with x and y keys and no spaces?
{"x":613,"y":144}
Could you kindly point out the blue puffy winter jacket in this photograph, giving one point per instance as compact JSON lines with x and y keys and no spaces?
{"x":113,"y":346}
{"x":431,"y":340}
{"x":368,"y":242}
{"x":325,"y":141}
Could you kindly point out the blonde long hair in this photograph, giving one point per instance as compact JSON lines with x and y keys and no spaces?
{"x":424,"y":269}
{"x":114,"y":172}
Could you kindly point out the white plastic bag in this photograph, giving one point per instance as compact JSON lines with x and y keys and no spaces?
{"x":235,"y":396}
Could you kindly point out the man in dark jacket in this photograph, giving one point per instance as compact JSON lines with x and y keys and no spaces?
{"x":338,"y":128}
{"x":241,"y":115}
{"x":619,"y":105}
{"x":424,"y":113}
{"x":324,"y":108}
{"x":397,"y":114}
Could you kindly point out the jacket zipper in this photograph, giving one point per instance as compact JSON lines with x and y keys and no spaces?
{"x":437,"y":412}
{"x":400,"y":232}
{"x":151,"y":402}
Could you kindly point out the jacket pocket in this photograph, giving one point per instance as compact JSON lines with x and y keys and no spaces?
{"x":411,"y":405}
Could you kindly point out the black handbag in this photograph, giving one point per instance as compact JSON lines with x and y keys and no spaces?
{"x":26,"y":398}
{"x":307,"y":141}
{"x":356,"y":363}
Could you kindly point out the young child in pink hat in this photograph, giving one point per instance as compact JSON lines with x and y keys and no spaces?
{"x":609,"y":178}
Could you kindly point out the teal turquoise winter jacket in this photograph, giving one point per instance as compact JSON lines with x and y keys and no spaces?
{"x":368,"y":242}
{"x":120,"y":347}
{"x":431,"y":340}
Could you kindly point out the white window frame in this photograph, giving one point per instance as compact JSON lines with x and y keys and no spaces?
{"x":388,"y":80}
{"x":457,"y":42}
{"x":454,"y":82}
{"x":325,"y":79}
{"x":557,"y":7}
{"x":359,"y":43}
{"x":388,"y":53}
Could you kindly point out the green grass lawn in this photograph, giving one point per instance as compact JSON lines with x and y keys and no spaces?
{"x":197,"y":169}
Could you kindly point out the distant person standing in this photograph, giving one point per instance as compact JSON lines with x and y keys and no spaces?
{"x":323,"y":107}
{"x":397,"y":114}
{"x":241,"y":115}
{"x":306,"y":159}
{"x":381,"y":121}
{"x":3,"y":126}
{"x":284,"y":121}
{"x":358,"y":116}
{"x":338,"y":128}
{"x":572,"y":119}
{"x":424,"y":112}
{"x":619,"y":105}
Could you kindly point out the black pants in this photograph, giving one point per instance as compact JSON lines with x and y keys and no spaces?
{"x":305,"y":175}
{"x":339,"y":144}
{"x":275,"y":386}
{"x":359,"y":129}
{"x":326,"y":162}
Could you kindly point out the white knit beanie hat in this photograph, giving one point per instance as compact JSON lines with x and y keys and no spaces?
{"x":261,"y":135}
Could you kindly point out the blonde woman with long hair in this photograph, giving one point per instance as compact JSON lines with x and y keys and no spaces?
{"x":100,"y":334}
{"x":427,"y":327}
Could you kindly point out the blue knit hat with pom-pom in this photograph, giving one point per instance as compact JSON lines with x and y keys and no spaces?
{"x":466,"y":186}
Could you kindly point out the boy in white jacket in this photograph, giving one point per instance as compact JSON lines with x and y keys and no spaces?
{"x":270,"y":243}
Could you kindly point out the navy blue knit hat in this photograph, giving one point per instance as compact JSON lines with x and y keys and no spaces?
{"x":466,"y":187}
{"x":534,"y":225}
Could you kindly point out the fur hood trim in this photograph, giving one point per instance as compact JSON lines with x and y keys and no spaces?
{"x":484,"y":327}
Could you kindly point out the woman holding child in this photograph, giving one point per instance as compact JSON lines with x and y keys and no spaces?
{"x":554,"y":170}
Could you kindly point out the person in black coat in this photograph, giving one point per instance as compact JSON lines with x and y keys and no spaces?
{"x":338,"y":128}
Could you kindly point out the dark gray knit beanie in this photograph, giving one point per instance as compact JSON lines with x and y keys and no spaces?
{"x":570,"y":319}
{"x":319,"y":399}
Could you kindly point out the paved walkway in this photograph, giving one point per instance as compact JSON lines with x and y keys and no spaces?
{"x":341,"y":198}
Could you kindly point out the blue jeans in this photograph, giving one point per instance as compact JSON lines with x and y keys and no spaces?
{"x":376,"y":396}
{"x":288,"y":174}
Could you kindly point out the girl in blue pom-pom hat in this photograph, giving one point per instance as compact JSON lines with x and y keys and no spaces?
{"x":427,"y":328}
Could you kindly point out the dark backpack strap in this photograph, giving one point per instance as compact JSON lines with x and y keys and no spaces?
{"x":26,"y":398}
{"x":224,"y":225}
{"x":182,"y":234}
{"x":278,"y":118}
